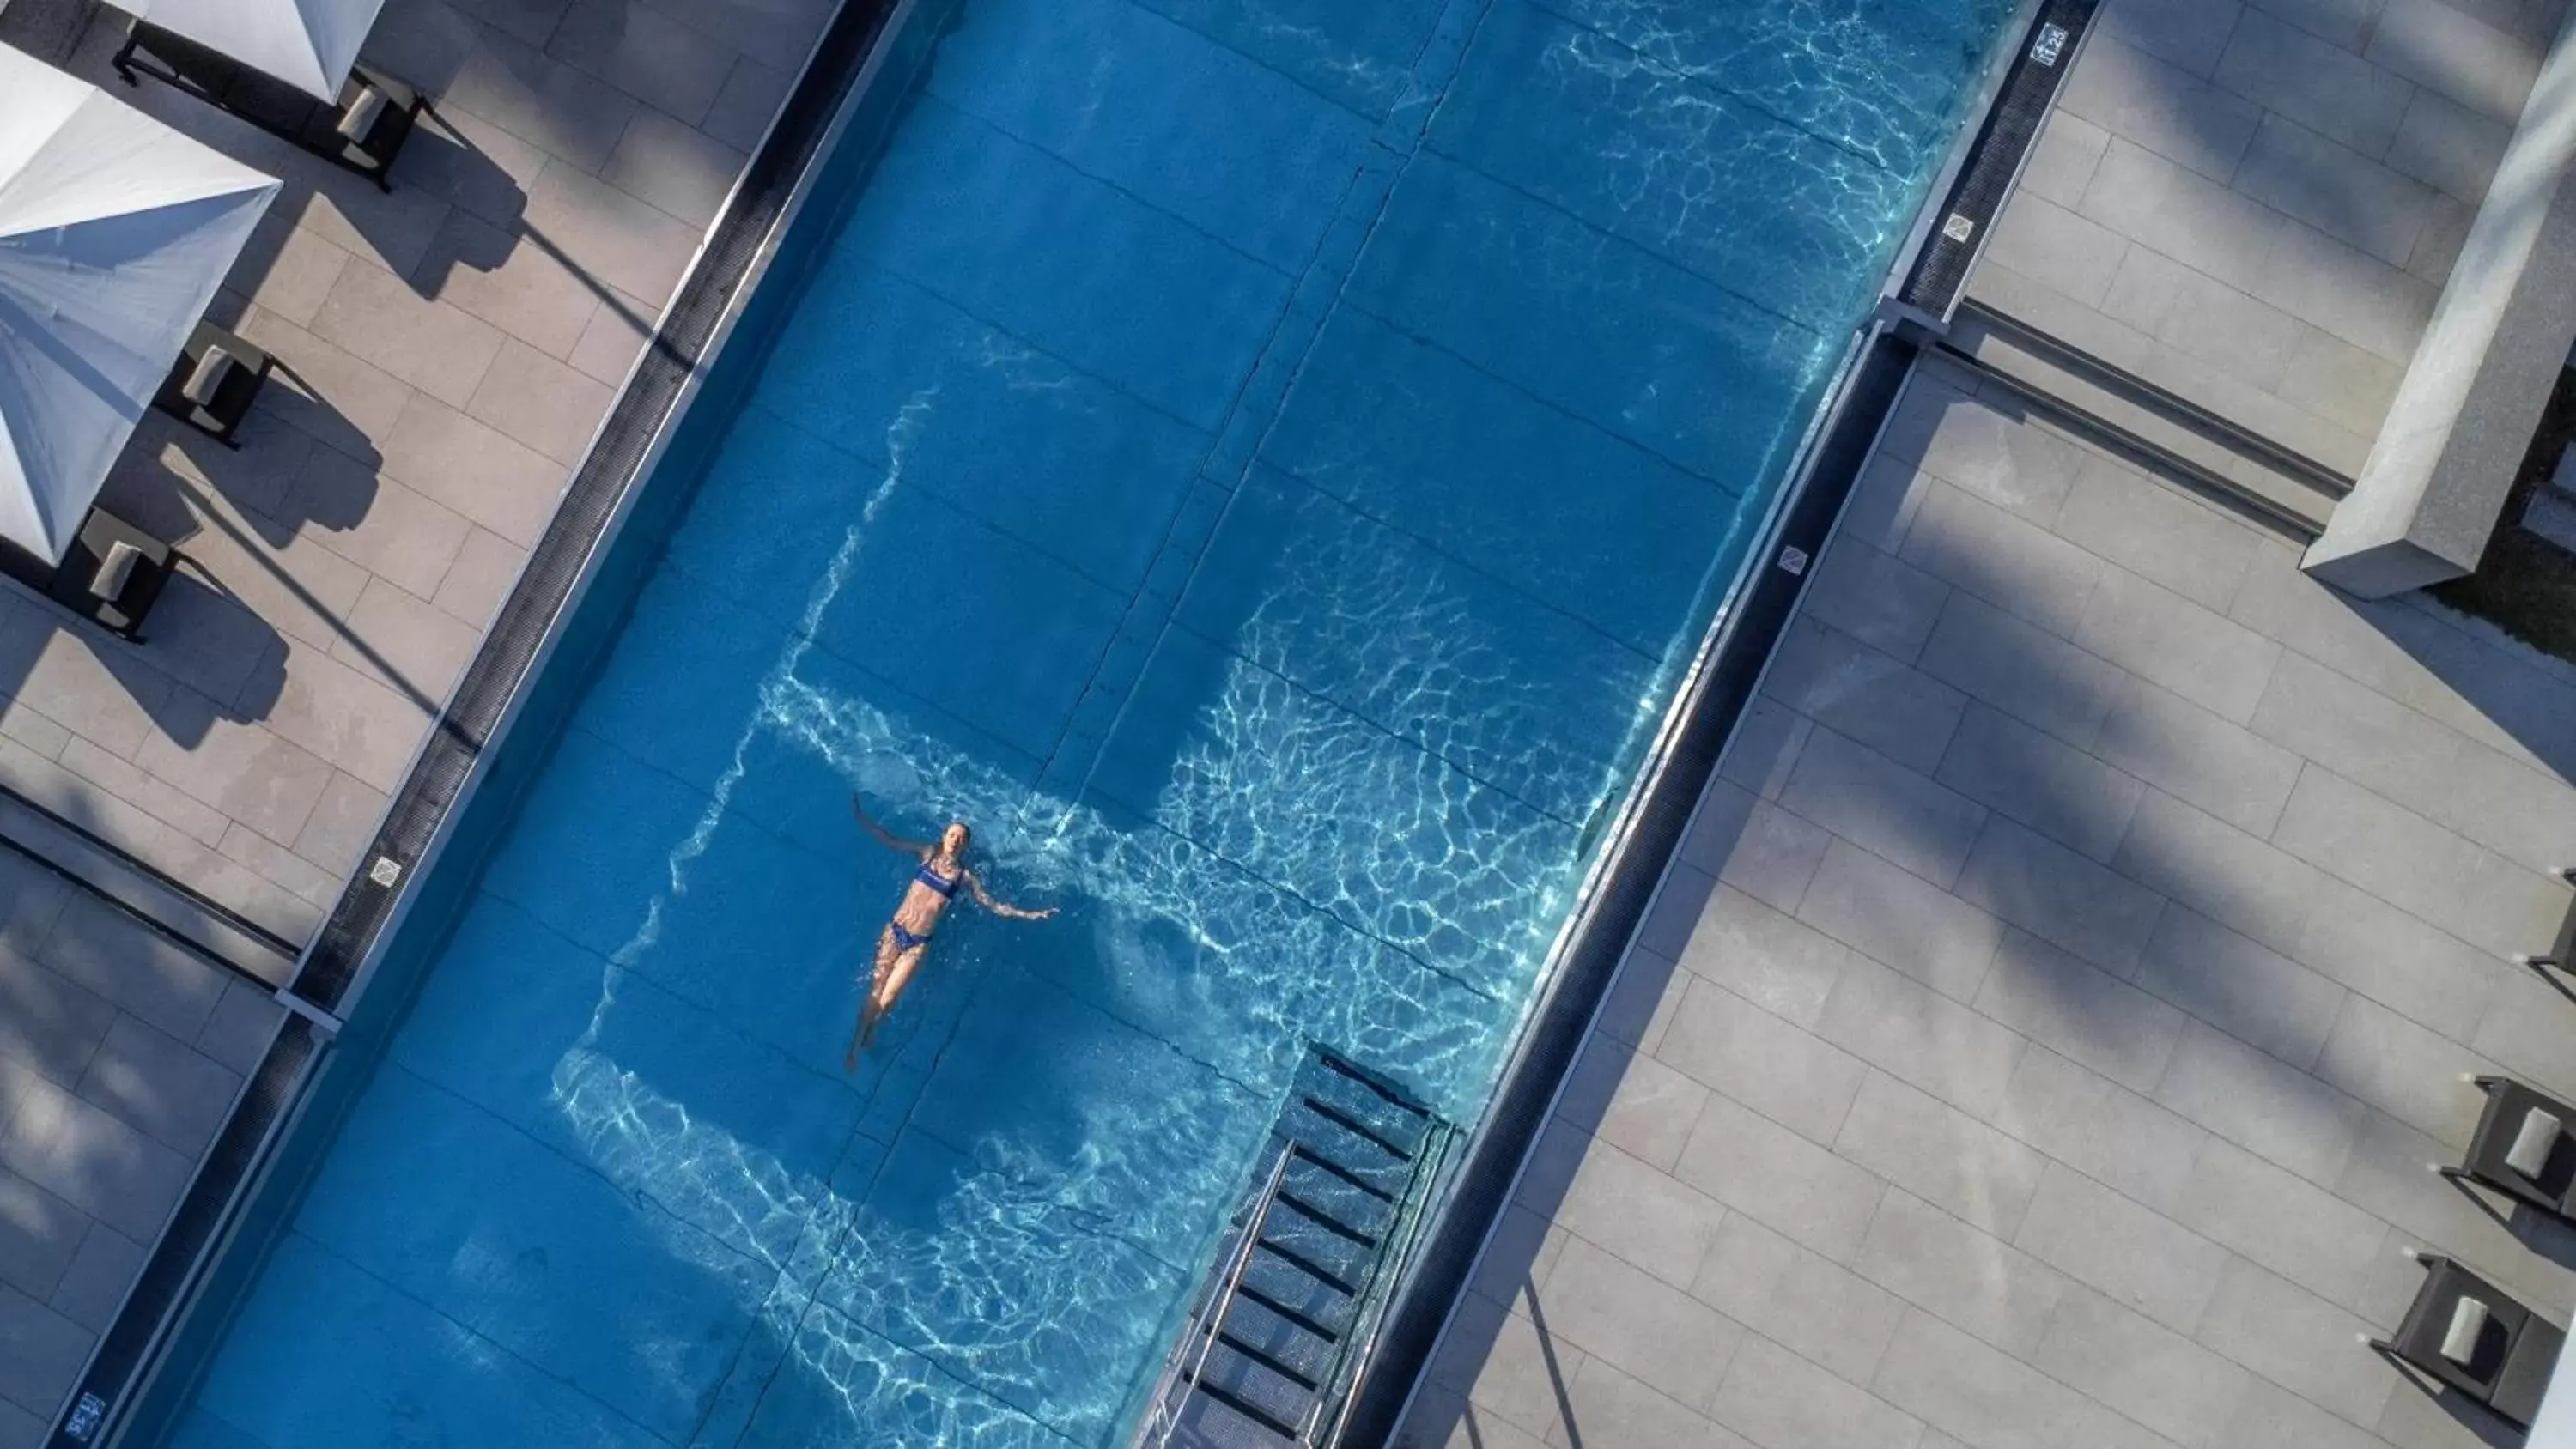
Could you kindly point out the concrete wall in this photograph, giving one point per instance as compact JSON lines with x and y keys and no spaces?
{"x":2438,"y":476}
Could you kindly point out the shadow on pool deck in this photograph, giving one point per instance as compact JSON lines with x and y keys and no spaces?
{"x":2063,"y":990}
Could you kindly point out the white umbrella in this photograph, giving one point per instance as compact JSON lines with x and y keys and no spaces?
{"x":309,"y":44}
{"x":114,"y":233}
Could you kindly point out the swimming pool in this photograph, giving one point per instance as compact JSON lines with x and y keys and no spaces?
{"x":1261,"y":461}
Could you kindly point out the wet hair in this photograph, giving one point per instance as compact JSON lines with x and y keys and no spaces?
{"x":965,"y":834}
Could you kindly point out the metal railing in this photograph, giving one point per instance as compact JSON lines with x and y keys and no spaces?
{"x":1163,"y":1416}
{"x":1351,"y":1364}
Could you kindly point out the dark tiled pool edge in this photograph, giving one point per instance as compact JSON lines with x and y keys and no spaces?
{"x":147,"y":1362}
{"x":2004,"y":140}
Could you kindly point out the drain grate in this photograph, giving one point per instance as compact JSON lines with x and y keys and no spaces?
{"x":2003,"y":142}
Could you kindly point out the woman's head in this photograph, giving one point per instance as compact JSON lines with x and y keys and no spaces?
{"x":953,"y":840}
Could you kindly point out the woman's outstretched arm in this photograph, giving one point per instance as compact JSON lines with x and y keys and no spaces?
{"x":984,"y":898}
{"x":886,"y":837}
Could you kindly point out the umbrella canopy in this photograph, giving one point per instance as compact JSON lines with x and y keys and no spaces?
{"x":309,"y":44}
{"x":114,"y":233}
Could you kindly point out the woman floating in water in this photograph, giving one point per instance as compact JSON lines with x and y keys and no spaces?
{"x":925,"y":900}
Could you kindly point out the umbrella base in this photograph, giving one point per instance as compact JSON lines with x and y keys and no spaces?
{"x":276,"y":107}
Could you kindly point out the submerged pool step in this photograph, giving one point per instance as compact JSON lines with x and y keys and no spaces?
{"x":1275,"y":1339}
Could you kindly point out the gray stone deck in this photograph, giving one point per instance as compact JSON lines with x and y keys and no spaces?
{"x":2044,"y":1037}
{"x":2255,"y":206}
{"x":445,"y":351}
{"x":120,"y":1056}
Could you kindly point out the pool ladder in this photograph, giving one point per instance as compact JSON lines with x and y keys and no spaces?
{"x":1278,"y":1337}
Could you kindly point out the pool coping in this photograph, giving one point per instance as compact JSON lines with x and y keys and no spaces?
{"x":147,"y":1362}
{"x":1735,"y":652}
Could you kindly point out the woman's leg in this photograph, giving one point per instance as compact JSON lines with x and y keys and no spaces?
{"x":890,"y":990}
{"x":887,"y":955}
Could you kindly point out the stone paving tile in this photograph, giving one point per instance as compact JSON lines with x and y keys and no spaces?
{"x":40,"y":1234}
{"x":1880,"y":804}
{"x":2326,"y":87}
{"x":540,"y":402}
{"x":684,"y":171}
{"x":1633,"y":1100}
{"x":88,"y":1158}
{"x":1658,"y":1333}
{"x":473,"y":469}
{"x":2019,"y":468}
{"x":2154,"y":531}
{"x":561,"y":111}
{"x":2216,"y":766}
{"x":40,"y":1351}
{"x":1867,"y":593}
{"x":643,"y":53}
{"x":159,"y":1086}
{"x":2121,"y":90}
{"x":2169,"y":640}
{"x":2144,"y":1370}
{"x":485,"y":568}
{"x":1638,"y":1214}
{"x":2444,"y":50}
{"x":1898,"y":919}
{"x":1920,"y":1036}
{"x":1754,"y":846}
{"x":2100,"y":1129}
{"x":2140,"y":1258}
{"x":2261,"y":1103}
{"x":2078,"y":1011}
{"x":2299,"y":1341}
{"x":2249,"y":992}
{"x":2008,"y":561}
{"x":1733,"y":1046}
{"x":2403,"y":1069}
{"x":2286,"y":1223}
{"x":1866,"y":695}
{"x":1987,"y":1398}
{"x":94,"y":1285}
{"x":2026,"y":776}
{"x":527,"y":291}
{"x":2377,"y":846}
{"x":2061,"y":164}
{"x":2061,"y":897}
{"x":48,"y":1022}
{"x":1780,"y":1179}
{"x":1776,"y":1397}
{"x":2220,"y":872}
{"x":1817,"y":1309}
{"x":1941,"y":1155}
{"x":1609,"y":1407}
{"x":2022,"y":670}
{"x":376,"y":317}
{"x":1959,"y":1273}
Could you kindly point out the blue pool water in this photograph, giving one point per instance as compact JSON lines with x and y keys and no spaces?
{"x":1263,"y":463}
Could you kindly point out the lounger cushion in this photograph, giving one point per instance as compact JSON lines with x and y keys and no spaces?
{"x":2531,"y":1144}
{"x":115,"y":570}
{"x":360,"y":117}
{"x":207,"y":376}
{"x":2468,"y":1325}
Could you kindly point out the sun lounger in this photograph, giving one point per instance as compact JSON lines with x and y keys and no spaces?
{"x":2522,"y":1148}
{"x":2562,"y":952}
{"x":2470,"y":1336}
{"x":110,"y":575}
{"x":364,"y":130}
{"x":211,"y":386}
